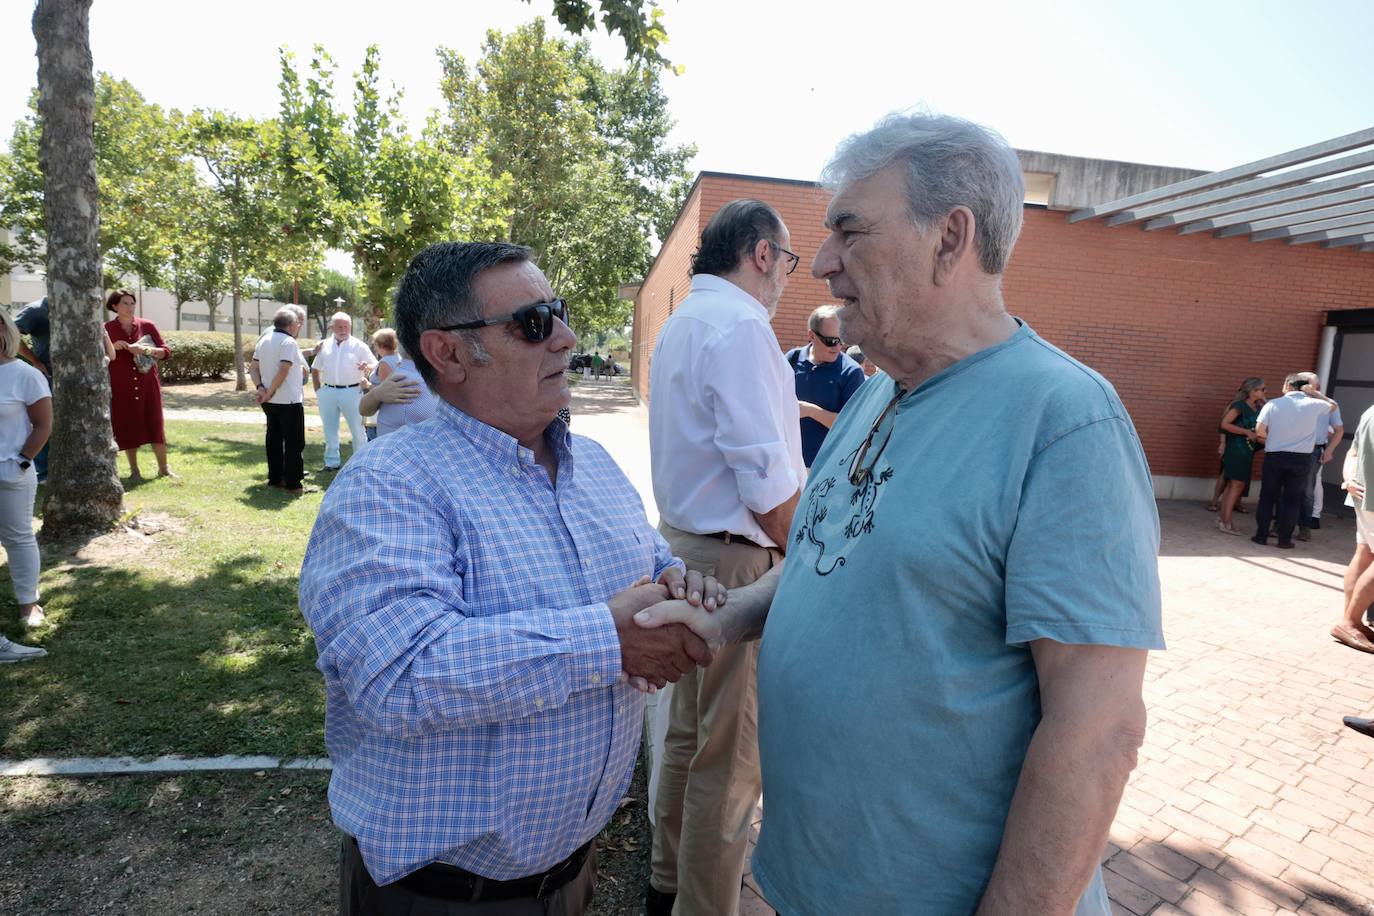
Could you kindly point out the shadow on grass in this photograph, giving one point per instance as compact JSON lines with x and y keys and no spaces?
{"x":211,"y":664}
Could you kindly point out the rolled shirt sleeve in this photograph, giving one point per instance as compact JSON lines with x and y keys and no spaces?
{"x":751,"y":431}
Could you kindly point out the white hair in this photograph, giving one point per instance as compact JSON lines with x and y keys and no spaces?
{"x":337,"y":315}
{"x":948,"y":162}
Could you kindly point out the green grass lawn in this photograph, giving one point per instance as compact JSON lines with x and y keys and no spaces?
{"x":185,"y":641}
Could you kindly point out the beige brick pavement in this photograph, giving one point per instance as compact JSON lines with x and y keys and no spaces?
{"x":1250,"y":796}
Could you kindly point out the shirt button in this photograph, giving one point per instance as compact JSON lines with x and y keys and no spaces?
{"x":596,"y":679}
{"x":539,"y":704}
{"x":515,"y":470}
{"x":586,"y":564}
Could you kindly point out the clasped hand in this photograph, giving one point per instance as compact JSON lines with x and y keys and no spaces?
{"x":654,"y":656}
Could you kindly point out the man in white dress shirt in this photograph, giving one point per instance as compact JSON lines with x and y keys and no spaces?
{"x":725,"y":445}
{"x":340,"y":365}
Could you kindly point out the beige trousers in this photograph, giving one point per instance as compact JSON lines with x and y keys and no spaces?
{"x":709,"y":777}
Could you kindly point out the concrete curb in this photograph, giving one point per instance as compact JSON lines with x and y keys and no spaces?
{"x":118,"y":766}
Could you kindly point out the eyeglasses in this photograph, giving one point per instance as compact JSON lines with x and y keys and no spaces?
{"x":828,"y":341}
{"x":535,"y":320}
{"x":858,"y":474}
{"x":792,"y":259}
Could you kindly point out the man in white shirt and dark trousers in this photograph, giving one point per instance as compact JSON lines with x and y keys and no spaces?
{"x":1288,"y":428}
{"x":278,"y":370}
{"x":725,"y":445}
{"x":340,"y":365}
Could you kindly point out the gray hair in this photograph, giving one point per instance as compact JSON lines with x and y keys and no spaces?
{"x":300,"y":312}
{"x":437,"y":291}
{"x":284,"y":318}
{"x":856,"y":354}
{"x":948,"y":162}
{"x":9,"y":335}
{"x":821,"y":314}
{"x":344,"y":315}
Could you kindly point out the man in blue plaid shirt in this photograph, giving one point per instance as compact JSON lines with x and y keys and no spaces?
{"x":471,"y":582}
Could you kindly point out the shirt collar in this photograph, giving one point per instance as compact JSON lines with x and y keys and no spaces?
{"x":721,"y":285}
{"x":501,"y":448}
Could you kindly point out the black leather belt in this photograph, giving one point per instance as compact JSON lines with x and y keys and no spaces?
{"x":354,"y":385}
{"x":730,"y":538}
{"x":449,"y":882}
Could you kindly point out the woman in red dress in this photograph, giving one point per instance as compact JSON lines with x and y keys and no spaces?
{"x":135,"y":392}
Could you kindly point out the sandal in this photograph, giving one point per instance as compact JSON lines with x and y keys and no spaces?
{"x":1350,"y":636}
{"x":1212,"y":507}
{"x":1229,"y":529}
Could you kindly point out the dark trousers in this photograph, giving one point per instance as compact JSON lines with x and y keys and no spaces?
{"x":285,"y":444}
{"x":1308,"y":493}
{"x":359,"y":895}
{"x":1281,"y":483}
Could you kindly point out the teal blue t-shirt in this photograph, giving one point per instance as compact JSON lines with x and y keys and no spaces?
{"x":897,"y":692}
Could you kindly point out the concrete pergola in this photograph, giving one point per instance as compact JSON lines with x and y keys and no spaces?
{"x":1328,"y":202}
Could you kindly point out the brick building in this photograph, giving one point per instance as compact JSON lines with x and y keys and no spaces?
{"x":1173,"y":321}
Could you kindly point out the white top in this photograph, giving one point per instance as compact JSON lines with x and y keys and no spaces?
{"x":724,"y":425}
{"x":274,"y":348}
{"x":20,"y":386}
{"x":1291,"y":422}
{"x":337,"y":363}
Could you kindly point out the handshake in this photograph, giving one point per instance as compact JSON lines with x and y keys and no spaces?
{"x":669,"y":627}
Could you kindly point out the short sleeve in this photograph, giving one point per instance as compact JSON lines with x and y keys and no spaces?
{"x":289,"y":352}
{"x":853,"y":379}
{"x":35,"y":387}
{"x":1082,"y":566}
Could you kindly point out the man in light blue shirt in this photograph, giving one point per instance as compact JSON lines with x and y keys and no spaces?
{"x":470,"y":586}
{"x":950,"y":676}
{"x":1288,"y":428}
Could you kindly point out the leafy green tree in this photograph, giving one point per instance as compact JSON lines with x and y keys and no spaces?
{"x":591,"y":172}
{"x":143,"y":177}
{"x":359,"y":182}
{"x":317,"y":289}
{"x":639,"y":24}
{"x":245,"y":205}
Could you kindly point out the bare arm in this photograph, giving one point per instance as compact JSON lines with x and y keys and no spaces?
{"x":32,"y":359}
{"x":255,"y":373}
{"x":40,"y":415}
{"x":1228,"y":423}
{"x":265,"y":394}
{"x":1350,"y":472}
{"x":815,"y":412}
{"x":1337,"y":431}
{"x":1082,"y":752}
{"x":777,"y":522}
{"x":315,"y":378}
{"x":739,"y":620}
{"x":398,"y":389}
{"x":109,"y":346}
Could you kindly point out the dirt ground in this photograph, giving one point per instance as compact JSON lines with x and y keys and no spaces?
{"x":221,"y":843}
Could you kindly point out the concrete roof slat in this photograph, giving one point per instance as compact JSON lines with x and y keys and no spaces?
{"x":1243,"y":188}
{"x":1242,"y":206}
{"x":1343,"y":240}
{"x":1249,"y":170}
{"x":1322,"y":206}
{"x":1290,"y":229}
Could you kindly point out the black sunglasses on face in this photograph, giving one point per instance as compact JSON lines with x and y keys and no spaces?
{"x":535,"y":320}
{"x":828,"y":341}
{"x":792,"y":259}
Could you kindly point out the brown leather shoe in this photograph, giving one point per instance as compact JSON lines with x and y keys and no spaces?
{"x":1354,"y":637}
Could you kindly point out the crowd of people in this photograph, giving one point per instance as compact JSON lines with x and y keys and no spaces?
{"x":485,"y":638}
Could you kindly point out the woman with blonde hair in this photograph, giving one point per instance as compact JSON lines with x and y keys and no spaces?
{"x":25,"y":424}
{"x":1238,"y":456}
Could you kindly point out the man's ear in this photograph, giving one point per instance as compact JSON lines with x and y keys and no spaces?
{"x":447,"y":353}
{"x":954,"y":243}
{"x":759,"y":256}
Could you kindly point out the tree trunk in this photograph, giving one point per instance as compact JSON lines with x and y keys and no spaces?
{"x":241,"y":377}
{"x":179,"y":305}
{"x":214,"y":307}
{"x":83,"y":495}
{"x":375,"y":288}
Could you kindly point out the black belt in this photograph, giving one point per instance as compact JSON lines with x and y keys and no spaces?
{"x":449,"y":882}
{"x":730,"y":538}
{"x":354,"y":385}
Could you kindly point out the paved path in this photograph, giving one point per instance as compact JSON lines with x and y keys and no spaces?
{"x":1250,"y":796}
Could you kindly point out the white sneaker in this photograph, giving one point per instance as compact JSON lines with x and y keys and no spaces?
{"x":35,"y":617}
{"x":13,"y":652}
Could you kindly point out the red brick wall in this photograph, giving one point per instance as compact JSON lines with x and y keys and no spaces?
{"x":1174,"y":322}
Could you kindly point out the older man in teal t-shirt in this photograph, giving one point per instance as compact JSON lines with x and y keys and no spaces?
{"x":950,"y":679}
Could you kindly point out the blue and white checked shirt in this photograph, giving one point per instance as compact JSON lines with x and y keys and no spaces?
{"x":470,"y":660}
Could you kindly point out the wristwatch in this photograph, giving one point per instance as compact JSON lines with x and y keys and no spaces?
{"x":24,"y":462}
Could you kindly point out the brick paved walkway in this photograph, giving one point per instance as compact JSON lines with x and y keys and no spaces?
{"x":1250,"y":796}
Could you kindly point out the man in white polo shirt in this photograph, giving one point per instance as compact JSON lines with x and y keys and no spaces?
{"x":1288,"y":428}
{"x":725,"y":445}
{"x":278,"y":370}
{"x":340,"y":365}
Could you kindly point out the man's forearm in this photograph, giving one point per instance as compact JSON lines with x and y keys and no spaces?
{"x":748,"y":607}
{"x":1056,"y":830}
{"x":280,"y":377}
{"x":777,"y":522}
{"x":255,"y":374}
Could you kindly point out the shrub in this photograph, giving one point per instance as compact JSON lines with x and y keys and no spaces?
{"x":205,"y":354}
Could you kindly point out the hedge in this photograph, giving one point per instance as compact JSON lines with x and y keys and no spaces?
{"x":204,"y":354}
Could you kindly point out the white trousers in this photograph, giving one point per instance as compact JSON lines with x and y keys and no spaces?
{"x":335,"y":402}
{"x":16,"y":534}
